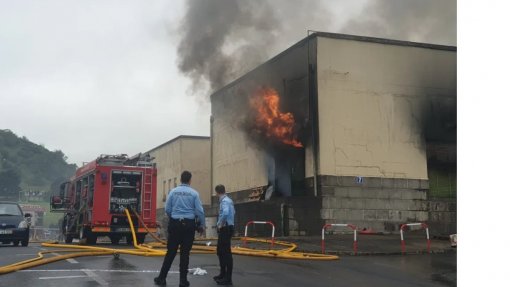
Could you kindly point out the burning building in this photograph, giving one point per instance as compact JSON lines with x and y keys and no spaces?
{"x":339,"y":129}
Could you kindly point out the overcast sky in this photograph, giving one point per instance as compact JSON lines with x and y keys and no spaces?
{"x":94,"y":77}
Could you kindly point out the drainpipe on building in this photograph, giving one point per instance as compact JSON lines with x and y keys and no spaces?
{"x":211,"y":121}
{"x":313,"y":110}
{"x":282,"y":216}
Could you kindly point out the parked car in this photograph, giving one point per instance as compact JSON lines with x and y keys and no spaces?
{"x":14,"y":226}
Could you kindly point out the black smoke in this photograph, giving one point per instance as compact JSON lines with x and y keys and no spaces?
{"x":223,"y":39}
{"x":430,"y":21}
{"x":439,"y":120}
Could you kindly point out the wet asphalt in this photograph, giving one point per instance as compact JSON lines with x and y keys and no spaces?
{"x":128,"y":270}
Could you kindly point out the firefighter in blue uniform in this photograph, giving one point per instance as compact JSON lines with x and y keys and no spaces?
{"x":225,"y":227}
{"x":182,"y":206}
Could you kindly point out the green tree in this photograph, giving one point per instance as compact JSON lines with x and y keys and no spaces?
{"x":36,"y":167}
{"x":10,"y":184}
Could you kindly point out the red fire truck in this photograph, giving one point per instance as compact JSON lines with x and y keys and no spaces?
{"x":95,"y":198}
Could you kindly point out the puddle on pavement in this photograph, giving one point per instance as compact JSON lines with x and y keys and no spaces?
{"x":121,"y":263}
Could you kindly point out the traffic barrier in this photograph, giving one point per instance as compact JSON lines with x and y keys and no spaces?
{"x":152,"y":250}
{"x":402,"y":242}
{"x":258,"y":222}
{"x":353,"y":227}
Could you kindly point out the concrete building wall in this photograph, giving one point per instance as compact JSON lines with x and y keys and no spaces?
{"x":372,"y":149}
{"x":236,"y":164}
{"x":237,"y":161}
{"x":372,"y":161}
{"x":196,"y":157}
{"x":168,"y":164}
{"x":369,"y":101}
{"x":376,"y":203}
{"x":183,"y":153}
{"x":442,"y":215}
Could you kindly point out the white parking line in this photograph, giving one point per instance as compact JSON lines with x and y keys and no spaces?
{"x":191,"y":270}
{"x":63,"y":277}
{"x":95,"y":270}
{"x":95,"y":277}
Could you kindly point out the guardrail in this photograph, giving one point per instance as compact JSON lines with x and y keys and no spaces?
{"x":353,"y":227}
{"x":258,"y":222}
{"x":422,"y":225}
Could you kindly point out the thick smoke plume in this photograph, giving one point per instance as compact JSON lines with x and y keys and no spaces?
{"x":224,"y":39}
{"x":430,"y":21}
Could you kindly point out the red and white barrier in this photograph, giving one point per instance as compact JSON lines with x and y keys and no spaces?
{"x":403,"y":243}
{"x":259,"y":222}
{"x":353,"y":227}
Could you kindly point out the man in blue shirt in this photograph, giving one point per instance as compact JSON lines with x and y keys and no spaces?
{"x":182,"y":206}
{"x":225,"y":227}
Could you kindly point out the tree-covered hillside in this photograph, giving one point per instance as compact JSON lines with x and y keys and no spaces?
{"x":29,"y":167}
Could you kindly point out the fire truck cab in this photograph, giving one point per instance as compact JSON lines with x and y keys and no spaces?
{"x":95,"y":198}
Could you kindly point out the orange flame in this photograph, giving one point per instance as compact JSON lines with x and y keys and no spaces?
{"x":270,"y":121}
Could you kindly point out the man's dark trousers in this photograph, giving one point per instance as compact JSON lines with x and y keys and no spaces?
{"x":180,"y":233}
{"x":224,"y":251}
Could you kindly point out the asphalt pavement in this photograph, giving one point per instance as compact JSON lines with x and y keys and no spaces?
{"x":437,"y":269}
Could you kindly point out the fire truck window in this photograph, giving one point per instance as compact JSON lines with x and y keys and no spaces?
{"x":125,"y":192}
{"x":91,"y":190}
{"x":85,"y":184}
{"x":78,"y":187}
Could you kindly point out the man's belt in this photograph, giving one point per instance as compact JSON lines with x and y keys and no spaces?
{"x":183,"y":219}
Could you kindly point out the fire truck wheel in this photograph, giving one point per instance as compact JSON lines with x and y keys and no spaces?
{"x":91,"y":239}
{"x":87,"y":237}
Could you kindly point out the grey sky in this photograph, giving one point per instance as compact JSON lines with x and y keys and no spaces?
{"x":92,"y":77}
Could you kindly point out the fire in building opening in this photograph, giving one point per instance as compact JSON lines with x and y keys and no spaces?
{"x":270,"y":122}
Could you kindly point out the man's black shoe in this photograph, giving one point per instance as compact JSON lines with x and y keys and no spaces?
{"x":218,"y":277}
{"x":224,"y":281}
{"x":160,"y":282}
{"x":183,"y":283}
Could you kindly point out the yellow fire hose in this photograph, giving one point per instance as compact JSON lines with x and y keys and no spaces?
{"x":146,"y":228}
{"x":152,"y":250}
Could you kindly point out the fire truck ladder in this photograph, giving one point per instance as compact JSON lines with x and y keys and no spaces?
{"x":147,"y":194}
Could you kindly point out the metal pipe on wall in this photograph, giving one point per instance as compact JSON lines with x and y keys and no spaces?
{"x":313,"y":111}
{"x":211,"y":121}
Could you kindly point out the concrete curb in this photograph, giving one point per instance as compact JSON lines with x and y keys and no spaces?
{"x":379,"y":253}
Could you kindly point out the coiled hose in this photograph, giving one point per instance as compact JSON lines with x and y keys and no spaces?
{"x":154,"y":249}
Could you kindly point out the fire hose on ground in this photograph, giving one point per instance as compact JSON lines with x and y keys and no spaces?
{"x":151,"y":250}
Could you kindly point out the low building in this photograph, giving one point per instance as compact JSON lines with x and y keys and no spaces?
{"x":341,"y":129}
{"x":184,"y":152}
